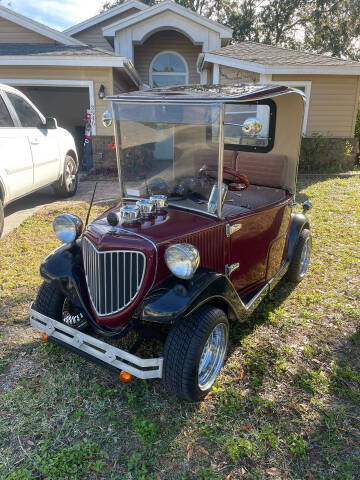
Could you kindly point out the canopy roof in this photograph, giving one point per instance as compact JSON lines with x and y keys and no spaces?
{"x":206,"y":93}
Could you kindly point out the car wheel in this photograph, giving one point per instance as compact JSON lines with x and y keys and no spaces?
{"x":194,"y":353}
{"x":68,"y":183}
{"x":50,"y":301}
{"x":301,"y":258}
{"x":1,"y":218}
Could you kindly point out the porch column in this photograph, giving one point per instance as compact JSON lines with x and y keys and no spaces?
{"x":216,"y":74}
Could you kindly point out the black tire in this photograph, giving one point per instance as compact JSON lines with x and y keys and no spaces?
{"x":68,"y":183}
{"x":1,"y":218}
{"x":297,"y":270}
{"x":50,"y":301}
{"x":183,"y":348}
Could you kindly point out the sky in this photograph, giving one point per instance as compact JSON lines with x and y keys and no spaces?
{"x":59,"y":14}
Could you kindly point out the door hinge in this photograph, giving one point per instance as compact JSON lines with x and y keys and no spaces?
{"x":229,"y":269}
{"x":230,"y":229}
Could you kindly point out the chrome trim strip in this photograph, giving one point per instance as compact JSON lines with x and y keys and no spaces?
{"x":220,"y":161}
{"x":115,"y":357}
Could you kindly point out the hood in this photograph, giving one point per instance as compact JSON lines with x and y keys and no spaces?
{"x":161,"y":229}
{"x":151,"y":238}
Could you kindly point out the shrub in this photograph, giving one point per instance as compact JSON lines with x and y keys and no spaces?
{"x":321,"y":154}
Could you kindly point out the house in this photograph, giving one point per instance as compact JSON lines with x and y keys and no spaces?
{"x":331,"y":86}
{"x":131,"y":45}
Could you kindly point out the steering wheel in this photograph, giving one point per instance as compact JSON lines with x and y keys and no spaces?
{"x":242,"y":182}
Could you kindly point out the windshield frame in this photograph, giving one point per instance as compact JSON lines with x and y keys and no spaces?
{"x":221,"y":106}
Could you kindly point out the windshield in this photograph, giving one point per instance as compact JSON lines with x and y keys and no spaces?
{"x":168,"y":149}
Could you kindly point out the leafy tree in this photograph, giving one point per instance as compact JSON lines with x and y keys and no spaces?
{"x":323,"y":26}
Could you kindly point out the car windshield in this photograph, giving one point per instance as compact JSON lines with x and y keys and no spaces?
{"x":169,"y":149}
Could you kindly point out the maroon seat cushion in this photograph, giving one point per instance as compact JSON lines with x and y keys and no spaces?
{"x":209,"y":156}
{"x":263,"y":168}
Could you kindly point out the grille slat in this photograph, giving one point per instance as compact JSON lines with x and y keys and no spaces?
{"x":114,"y":278}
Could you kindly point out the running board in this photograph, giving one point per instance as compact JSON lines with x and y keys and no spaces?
{"x":96,"y":349}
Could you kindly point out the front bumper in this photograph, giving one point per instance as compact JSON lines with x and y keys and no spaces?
{"x":95,"y":349}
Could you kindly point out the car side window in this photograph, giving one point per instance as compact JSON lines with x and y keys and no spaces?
{"x":5,"y":117}
{"x":27,"y":115}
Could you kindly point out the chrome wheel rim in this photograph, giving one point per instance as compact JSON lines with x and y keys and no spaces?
{"x":212,"y":356}
{"x":70,"y":175}
{"x":305,"y":257}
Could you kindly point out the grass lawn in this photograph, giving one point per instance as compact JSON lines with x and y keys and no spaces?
{"x":286,"y":406}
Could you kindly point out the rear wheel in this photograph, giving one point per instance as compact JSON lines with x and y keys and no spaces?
{"x":53,"y":303}
{"x":1,"y":218}
{"x":194,"y":353}
{"x":301,"y":258}
{"x":68,"y":183}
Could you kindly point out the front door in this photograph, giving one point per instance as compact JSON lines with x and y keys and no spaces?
{"x":16,"y":164}
{"x":257,"y":245}
{"x":43,"y":142}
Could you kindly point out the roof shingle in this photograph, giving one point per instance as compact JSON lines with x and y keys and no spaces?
{"x":43,"y":49}
{"x":270,"y":55}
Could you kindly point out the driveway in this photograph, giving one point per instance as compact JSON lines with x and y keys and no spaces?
{"x":21,"y":209}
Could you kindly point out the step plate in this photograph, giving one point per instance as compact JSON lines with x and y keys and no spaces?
{"x":115,"y":357}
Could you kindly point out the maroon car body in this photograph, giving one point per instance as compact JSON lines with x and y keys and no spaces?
{"x":204,"y":226}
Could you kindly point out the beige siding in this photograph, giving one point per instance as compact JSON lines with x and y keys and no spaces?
{"x":166,"y":40}
{"x":93,"y":35}
{"x":100,"y":76}
{"x":11,"y":32}
{"x":230,"y":76}
{"x":332,"y":103}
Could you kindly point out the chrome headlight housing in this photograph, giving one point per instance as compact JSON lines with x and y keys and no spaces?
{"x":67,"y":227}
{"x":182,"y":260}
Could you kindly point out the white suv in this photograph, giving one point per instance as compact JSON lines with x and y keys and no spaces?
{"x":34,"y":151}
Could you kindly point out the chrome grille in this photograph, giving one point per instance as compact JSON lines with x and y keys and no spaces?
{"x":113,"y":277}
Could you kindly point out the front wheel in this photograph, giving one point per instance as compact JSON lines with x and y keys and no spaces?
{"x":68,"y":183}
{"x":194,"y":353}
{"x":51,"y":302}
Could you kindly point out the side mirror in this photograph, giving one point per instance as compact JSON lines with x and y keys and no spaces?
{"x":307,"y":205}
{"x":251,"y":127}
{"x":107,"y":119}
{"x":51,"y":123}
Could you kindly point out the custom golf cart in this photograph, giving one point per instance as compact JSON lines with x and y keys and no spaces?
{"x":203,"y":230}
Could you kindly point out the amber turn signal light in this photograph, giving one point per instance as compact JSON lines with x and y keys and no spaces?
{"x":125,"y":377}
{"x":44,"y":337}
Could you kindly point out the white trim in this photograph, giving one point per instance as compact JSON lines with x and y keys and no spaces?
{"x":110,"y":30}
{"x":216,"y":74}
{"x":71,"y":61}
{"x":37,"y":27}
{"x":172,"y":52}
{"x":265,"y":78}
{"x":52,"y":83}
{"x":279,"y":69}
{"x":112,"y":12}
{"x":294,"y":84}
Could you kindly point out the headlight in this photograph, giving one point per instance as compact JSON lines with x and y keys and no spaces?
{"x":182,"y":260}
{"x":67,"y":227}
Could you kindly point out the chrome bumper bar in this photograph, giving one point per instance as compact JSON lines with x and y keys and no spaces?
{"x":96,"y":349}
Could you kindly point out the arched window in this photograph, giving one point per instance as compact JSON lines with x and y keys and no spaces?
{"x":168,"y":68}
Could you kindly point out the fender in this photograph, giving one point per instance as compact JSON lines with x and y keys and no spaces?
{"x":64,"y":266}
{"x":299,"y":221}
{"x":175,"y":298}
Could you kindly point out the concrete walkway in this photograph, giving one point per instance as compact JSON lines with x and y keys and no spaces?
{"x":21,"y":209}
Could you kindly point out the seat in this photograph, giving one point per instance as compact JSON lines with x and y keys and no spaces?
{"x":263,"y":168}
{"x":209,"y":156}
